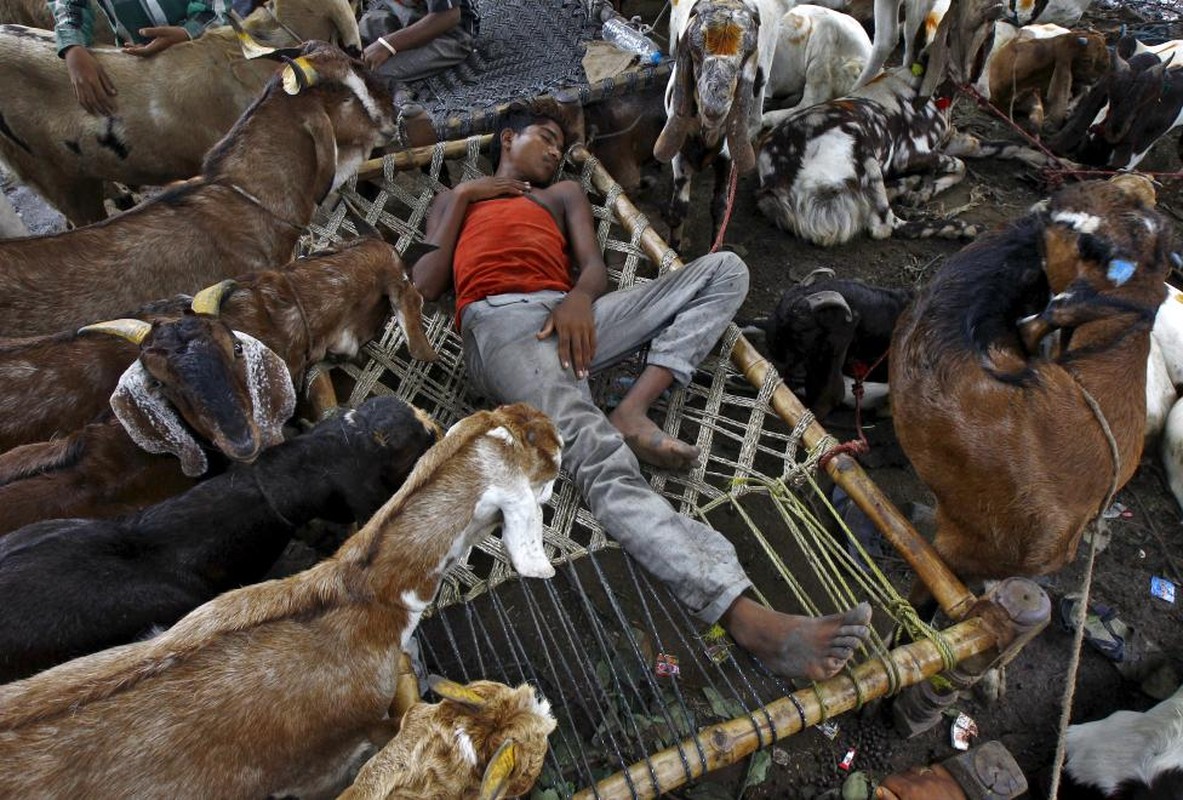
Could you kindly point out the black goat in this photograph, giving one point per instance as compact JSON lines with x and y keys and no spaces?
{"x":825,"y":326}
{"x":71,"y":587}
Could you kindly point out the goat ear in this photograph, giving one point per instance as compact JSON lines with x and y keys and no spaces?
{"x":152,"y":422}
{"x":407,"y":305}
{"x":134,"y":330}
{"x":739,"y":140}
{"x":324,"y":139}
{"x":500,"y":769}
{"x":272,"y":394}
{"x":680,"y":108}
{"x":457,"y":693}
{"x":521,"y":530}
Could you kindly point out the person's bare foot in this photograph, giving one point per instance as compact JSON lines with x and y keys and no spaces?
{"x":652,"y":445}
{"x":797,"y":647}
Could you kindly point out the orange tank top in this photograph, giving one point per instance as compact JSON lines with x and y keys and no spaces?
{"x":508,"y":244}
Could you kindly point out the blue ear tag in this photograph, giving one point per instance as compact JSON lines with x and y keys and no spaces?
{"x":1120,"y":271}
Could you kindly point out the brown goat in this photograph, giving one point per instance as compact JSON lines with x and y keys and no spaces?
{"x":279,"y":688}
{"x":52,"y":385}
{"x":485,"y":737}
{"x":170,"y":110}
{"x":325,"y":305}
{"x":1006,"y":437}
{"x":318,"y":119}
{"x":1039,"y":77}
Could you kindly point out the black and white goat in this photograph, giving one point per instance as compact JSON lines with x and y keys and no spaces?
{"x":1130,"y":754}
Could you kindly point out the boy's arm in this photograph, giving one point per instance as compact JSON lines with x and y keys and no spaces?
{"x":417,"y":34}
{"x":573,"y":319}
{"x":432,"y":274}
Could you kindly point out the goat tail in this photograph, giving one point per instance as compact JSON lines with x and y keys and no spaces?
{"x":826,"y":218}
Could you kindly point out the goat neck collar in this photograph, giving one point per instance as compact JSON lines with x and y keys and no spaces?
{"x":256,"y":201}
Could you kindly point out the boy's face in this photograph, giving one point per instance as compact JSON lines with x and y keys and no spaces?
{"x":537,"y":151}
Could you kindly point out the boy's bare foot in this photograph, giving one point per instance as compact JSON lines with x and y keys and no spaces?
{"x":652,"y":445}
{"x":797,"y":647}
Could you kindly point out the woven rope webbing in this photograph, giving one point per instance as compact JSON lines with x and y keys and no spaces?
{"x":592,"y":639}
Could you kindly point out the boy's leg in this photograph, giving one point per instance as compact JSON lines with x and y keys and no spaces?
{"x":700,"y":566}
{"x":681,"y":315}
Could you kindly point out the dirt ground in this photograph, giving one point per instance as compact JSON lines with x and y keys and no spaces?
{"x":1147,"y":541}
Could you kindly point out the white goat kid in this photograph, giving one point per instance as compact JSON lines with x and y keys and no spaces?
{"x":281,"y":688}
{"x":819,"y":55}
{"x":723,"y":51}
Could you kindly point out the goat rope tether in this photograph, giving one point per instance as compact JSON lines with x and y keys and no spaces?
{"x":634,"y":680}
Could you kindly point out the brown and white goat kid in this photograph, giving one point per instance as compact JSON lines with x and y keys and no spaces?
{"x":170,"y":110}
{"x":723,"y":51}
{"x":318,"y":118}
{"x":1012,"y":442}
{"x":484,"y":740}
{"x":280,"y":688}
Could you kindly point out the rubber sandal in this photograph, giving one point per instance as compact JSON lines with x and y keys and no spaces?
{"x":1102,"y":628}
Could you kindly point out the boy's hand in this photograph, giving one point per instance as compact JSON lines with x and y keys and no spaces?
{"x":162,"y":38}
{"x":575,"y":324}
{"x":492,"y":186}
{"x":92,"y":85}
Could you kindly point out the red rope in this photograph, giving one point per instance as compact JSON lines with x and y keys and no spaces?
{"x":733,"y":181}
{"x":859,"y":446}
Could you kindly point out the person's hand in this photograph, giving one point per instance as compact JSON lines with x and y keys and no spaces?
{"x":491,"y":186}
{"x":575,"y":324}
{"x":162,"y":39}
{"x":92,"y":85}
{"x":375,"y":55}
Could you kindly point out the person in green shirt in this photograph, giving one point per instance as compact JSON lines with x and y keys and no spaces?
{"x":143,"y":27}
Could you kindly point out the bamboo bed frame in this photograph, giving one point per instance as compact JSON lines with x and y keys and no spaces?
{"x":986,"y":631}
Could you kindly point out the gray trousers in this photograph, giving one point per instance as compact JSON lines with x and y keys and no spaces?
{"x":681,"y":316}
{"x":446,"y":50}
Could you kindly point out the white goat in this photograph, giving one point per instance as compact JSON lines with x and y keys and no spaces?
{"x":1056,"y":12}
{"x":723,"y":51}
{"x":1130,"y":749}
{"x":171,"y":107}
{"x":485,"y":737}
{"x":1164,"y":380}
{"x":819,"y":55}
{"x":921,"y":19}
{"x":281,"y":688}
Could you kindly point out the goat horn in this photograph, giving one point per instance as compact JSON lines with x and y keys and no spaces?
{"x":134,"y":330}
{"x":298,"y":74}
{"x":450,"y":690}
{"x":815,"y":275}
{"x":209,"y":300}
{"x":251,"y":47}
{"x":501,"y":766}
{"x":826,"y":299}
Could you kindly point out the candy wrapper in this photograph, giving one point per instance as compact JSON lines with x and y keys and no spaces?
{"x":1162,"y":589}
{"x":848,"y":760}
{"x":667,"y":666}
{"x":963,"y":732}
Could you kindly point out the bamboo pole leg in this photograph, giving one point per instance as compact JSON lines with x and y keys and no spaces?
{"x":728,"y":742}
{"x":1017,"y":609}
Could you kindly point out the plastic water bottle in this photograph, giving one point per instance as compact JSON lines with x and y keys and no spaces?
{"x":617,"y":32}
